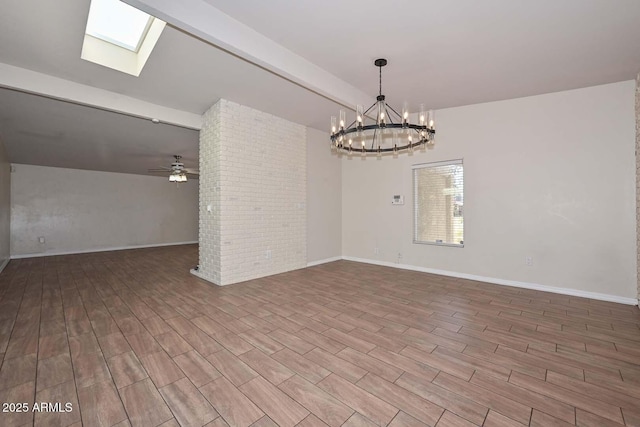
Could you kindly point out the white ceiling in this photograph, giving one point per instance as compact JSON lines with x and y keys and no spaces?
{"x":441,"y":53}
{"x":48,"y":132}
{"x":452,"y":53}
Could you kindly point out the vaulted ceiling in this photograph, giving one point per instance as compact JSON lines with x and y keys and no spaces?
{"x":298,"y":60}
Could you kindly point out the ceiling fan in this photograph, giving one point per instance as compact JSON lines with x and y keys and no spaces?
{"x":177,"y":172}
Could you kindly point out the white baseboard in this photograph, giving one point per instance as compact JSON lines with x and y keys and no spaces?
{"x":88,"y":251}
{"x":514,"y":283}
{"x":324,"y":261}
{"x":4,"y":263}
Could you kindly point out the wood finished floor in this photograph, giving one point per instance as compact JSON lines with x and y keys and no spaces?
{"x":131,"y":338}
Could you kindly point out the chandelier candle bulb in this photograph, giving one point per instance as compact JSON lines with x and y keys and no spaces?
{"x":359,"y":115}
{"x":405,"y":114}
{"x":343,"y":119}
{"x":432,"y":119}
{"x":333,"y":125}
{"x":381,"y":112}
{"x":422,"y":115}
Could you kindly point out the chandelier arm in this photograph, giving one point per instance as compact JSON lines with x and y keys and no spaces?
{"x":389,"y":115}
{"x":399,"y":116}
{"x":369,"y":109}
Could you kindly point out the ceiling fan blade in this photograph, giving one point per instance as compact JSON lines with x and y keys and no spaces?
{"x":192,"y":171}
{"x":160,"y":169}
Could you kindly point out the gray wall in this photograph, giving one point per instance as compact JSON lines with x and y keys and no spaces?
{"x":79,"y":210}
{"x":638,"y":177}
{"x":5,"y":206}
{"x":551,"y":177}
{"x":324,"y":199}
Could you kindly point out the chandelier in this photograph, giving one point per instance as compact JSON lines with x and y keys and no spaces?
{"x":388,"y":132}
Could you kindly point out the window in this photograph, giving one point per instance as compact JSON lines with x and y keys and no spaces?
{"x":119,"y":36}
{"x":116,"y":22}
{"x":438,"y":199}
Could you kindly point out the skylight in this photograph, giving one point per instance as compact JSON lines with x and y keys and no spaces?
{"x":118,"y":23}
{"x":119,"y":36}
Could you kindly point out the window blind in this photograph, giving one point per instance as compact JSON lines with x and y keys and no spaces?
{"x":438,"y":191}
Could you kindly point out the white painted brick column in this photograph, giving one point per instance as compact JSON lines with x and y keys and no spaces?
{"x":252,"y":194}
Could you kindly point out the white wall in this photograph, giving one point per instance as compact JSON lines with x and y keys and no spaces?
{"x":253,"y":176}
{"x":638,"y":178}
{"x":79,"y":210}
{"x":549,"y":176}
{"x":324,"y":199}
{"x":5,"y":207}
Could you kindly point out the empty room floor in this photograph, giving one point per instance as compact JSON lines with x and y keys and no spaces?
{"x":131,"y":338}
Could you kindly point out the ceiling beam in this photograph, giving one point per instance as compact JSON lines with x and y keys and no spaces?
{"x":28,"y":81}
{"x":204,"y":21}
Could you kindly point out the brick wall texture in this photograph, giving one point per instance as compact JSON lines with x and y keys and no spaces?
{"x":252,"y":194}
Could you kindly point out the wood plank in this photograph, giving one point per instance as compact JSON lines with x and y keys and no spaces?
{"x":90,"y":369}
{"x":444,"y":398}
{"x":303,"y":367}
{"x":320,"y":403}
{"x":399,"y":397}
{"x":236,"y":409}
{"x":100,"y":405}
{"x":161,"y":368}
{"x":232,"y":367}
{"x":377,"y":410}
{"x":126,"y":369}
{"x":188,"y":405}
{"x":371,"y":364}
{"x":404,"y":363}
{"x":578,"y":400}
{"x":283,"y":410}
{"x":485,"y":397}
{"x":144,"y":404}
{"x":339,"y":366}
{"x":196,"y":368}
{"x":53,"y":371}
{"x":291,"y":341}
{"x":266,"y":366}
{"x":537,"y":401}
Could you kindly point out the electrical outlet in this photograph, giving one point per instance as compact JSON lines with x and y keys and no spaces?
{"x":528,"y":260}
{"x":376,"y":251}
{"x":41,"y":239}
{"x":267,"y":254}
{"x":399,"y":257}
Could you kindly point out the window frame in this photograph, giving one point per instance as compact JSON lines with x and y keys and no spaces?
{"x":416,"y":167}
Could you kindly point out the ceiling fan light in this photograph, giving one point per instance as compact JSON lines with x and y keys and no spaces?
{"x":173,"y":178}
